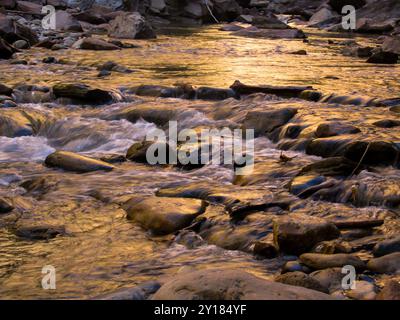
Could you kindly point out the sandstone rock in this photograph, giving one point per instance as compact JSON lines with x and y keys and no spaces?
{"x":131,"y":26}
{"x":164,"y":215}
{"x":220,"y":284}
{"x":322,"y":16}
{"x":75,"y":162}
{"x":391,"y":291}
{"x":208,"y":93}
{"x":319,"y":261}
{"x":389,"y":263}
{"x":300,"y":279}
{"x":268,"y":22}
{"x":66,"y":22}
{"x":5,"y":206}
{"x":292,"y":266}
{"x":329,"y":278}
{"x":386,"y":247}
{"x":391,"y":44}
{"x":296,"y":234}
{"x":254,"y":32}
{"x":389,"y":123}
{"x":334,"y":166}
{"x":94,"y":44}
{"x":281,"y":91}
{"x":138,"y":151}
{"x":366,"y":25}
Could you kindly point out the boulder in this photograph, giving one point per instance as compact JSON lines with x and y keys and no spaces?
{"x":324,"y":15}
{"x":94,"y":44}
{"x":319,"y":261}
{"x":301,"y":279}
{"x":66,"y":22}
{"x":21,"y":44}
{"x":5,"y":205}
{"x":164,"y":215}
{"x":389,"y":263}
{"x":264,"y":122}
{"x":112,"y":66}
{"x":91,"y":16}
{"x":28,"y":6}
{"x":383,"y":57}
{"x":366,"y":25}
{"x":296,"y":234}
{"x":207,"y":93}
{"x":330,"y":278}
{"x":234,"y":284}
{"x":292,"y":266}
{"x":357,"y":51}
{"x":82,"y":93}
{"x":363,"y":290}
{"x":131,"y":25}
{"x":138,"y":151}
{"x":268,"y":22}
{"x":387,"y":246}
{"x":334,"y":166}
{"x":11,"y":31}
{"x":71,"y":161}
{"x":388,"y":123}
{"x":391,"y":44}
{"x":391,"y":291}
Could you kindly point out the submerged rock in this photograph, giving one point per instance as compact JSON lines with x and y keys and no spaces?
{"x":208,"y":93}
{"x":39,"y":232}
{"x":222,"y":284}
{"x":254,"y":32}
{"x":75,"y":162}
{"x":389,"y":263}
{"x":384,"y":58}
{"x":140,"y":292}
{"x":296,"y":234}
{"x":94,"y":44}
{"x":319,"y":261}
{"x":281,"y":91}
{"x":391,"y":291}
{"x":164,"y":215}
{"x":131,"y":25}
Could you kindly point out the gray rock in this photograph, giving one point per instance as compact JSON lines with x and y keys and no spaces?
{"x":75,"y":162}
{"x":324,"y":261}
{"x":21,"y":44}
{"x":131,"y":26}
{"x":222,"y":284}
{"x":94,"y":44}
{"x":164,"y":215}
{"x":330,"y":278}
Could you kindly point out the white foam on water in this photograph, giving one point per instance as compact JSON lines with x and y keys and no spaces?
{"x":26,"y":148}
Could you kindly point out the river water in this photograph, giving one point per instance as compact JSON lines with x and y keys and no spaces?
{"x":102,"y":250}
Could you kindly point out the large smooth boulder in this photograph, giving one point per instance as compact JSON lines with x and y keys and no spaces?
{"x":297,"y":233}
{"x":164,"y":215}
{"x":82,"y":93}
{"x":389,"y":263}
{"x":268,"y":22}
{"x":264,"y":122}
{"x":66,"y":22}
{"x":71,"y":161}
{"x":231,"y":284}
{"x":319,"y":261}
{"x":131,"y":25}
{"x":94,"y":44}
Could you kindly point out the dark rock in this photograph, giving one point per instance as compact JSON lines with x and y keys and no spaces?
{"x":85,"y":94}
{"x":7,"y":104}
{"x":90,"y":16}
{"x":11,"y":31}
{"x":74,"y":162}
{"x":366,"y":25}
{"x":319,"y":261}
{"x":391,"y":291}
{"x":264,"y":122}
{"x":39,"y":232}
{"x":5,"y":206}
{"x":5,"y":90}
{"x":297,"y":234}
{"x":268,"y":22}
{"x":181,"y":91}
{"x":131,"y":25}
{"x":207,"y":93}
{"x":384,"y":58}
{"x":46,"y":43}
{"x":114,"y":158}
{"x":254,"y":32}
{"x":387,"y":123}
{"x":330,"y":278}
{"x":299,"y":52}
{"x":104,"y":73}
{"x":139,"y":150}
{"x":94,"y":44}
{"x":359,"y":52}
{"x":389,"y":263}
{"x":21,"y":44}
{"x":322,"y":17}
{"x":337,"y":5}
{"x":164,"y":215}
{"x":300,"y":279}
{"x":311,"y":95}
{"x":335,"y":166}
{"x":281,"y":91}
{"x":223,"y":284}
{"x":66,"y":22}
{"x":50,"y":60}
{"x":387,"y":246}
{"x":332,"y":247}
{"x":8,"y":4}
{"x":112,"y":66}
{"x":391,"y":44}
{"x":6,"y":51}
{"x":266,"y":249}
{"x":28,"y":6}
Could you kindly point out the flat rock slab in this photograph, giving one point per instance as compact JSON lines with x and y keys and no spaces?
{"x":164,"y":215}
{"x":70,"y":161}
{"x":386,"y":264}
{"x":323,"y":261}
{"x":231,"y":284}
